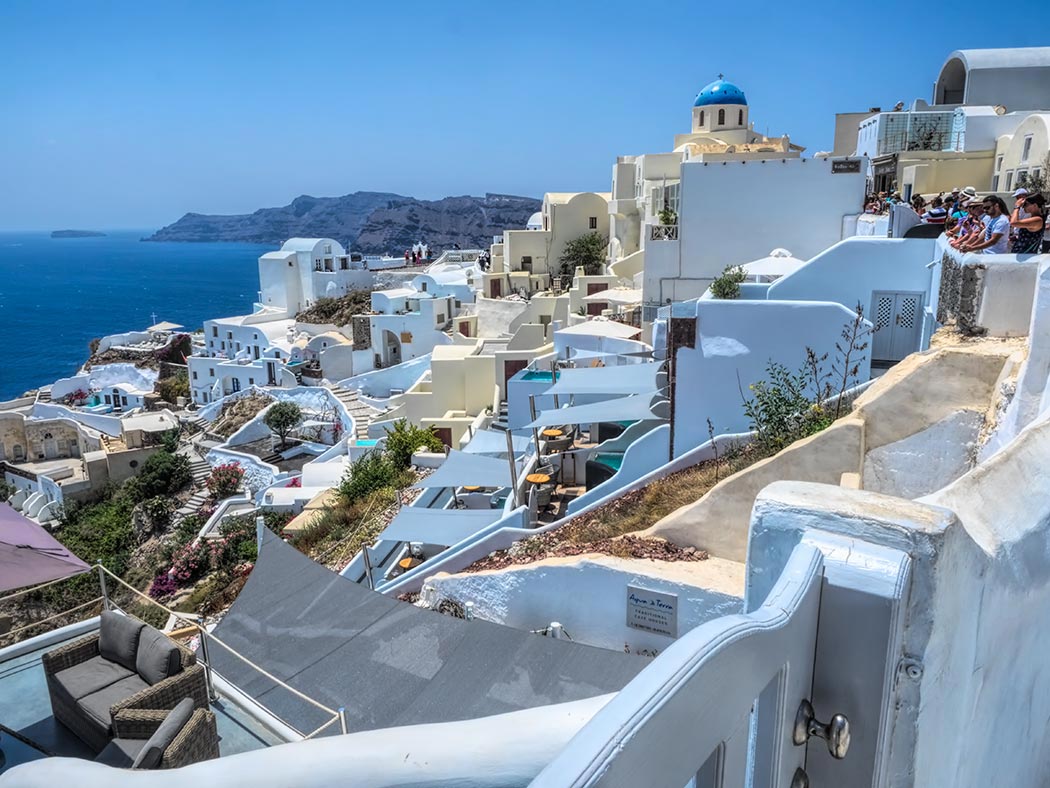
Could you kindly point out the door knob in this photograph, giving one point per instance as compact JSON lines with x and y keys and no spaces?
{"x":836,"y":732}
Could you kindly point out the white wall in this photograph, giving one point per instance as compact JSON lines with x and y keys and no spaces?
{"x":531,"y":596}
{"x":851,"y":270}
{"x":735,"y":212}
{"x":735,"y":342}
{"x":105,"y":376}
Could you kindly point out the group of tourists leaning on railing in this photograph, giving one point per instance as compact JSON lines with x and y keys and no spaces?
{"x":987,"y":225}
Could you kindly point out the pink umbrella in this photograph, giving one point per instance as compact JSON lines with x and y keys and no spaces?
{"x":29,"y":555}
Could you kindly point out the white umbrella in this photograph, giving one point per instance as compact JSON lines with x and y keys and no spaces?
{"x":620,"y":295}
{"x":779,"y":263}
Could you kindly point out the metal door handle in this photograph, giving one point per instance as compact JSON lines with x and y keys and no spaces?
{"x":836,"y":732}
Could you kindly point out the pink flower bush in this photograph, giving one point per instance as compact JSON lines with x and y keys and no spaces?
{"x":296,"y":482}
{"x":163,"y":585}
{"x":190,"y":562}
{"x":224,"y":480}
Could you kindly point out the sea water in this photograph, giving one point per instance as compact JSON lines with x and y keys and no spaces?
{"x":57,"y":294}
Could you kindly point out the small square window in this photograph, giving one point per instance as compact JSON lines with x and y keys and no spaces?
{"x":194,"y":374}
{"x":594,"y":222}
{"x":211,"y":371}
{"x":251,"y":381}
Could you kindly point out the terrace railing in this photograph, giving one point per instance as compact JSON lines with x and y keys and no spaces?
{"x":663,"y":232}
{"x":190,"y":626}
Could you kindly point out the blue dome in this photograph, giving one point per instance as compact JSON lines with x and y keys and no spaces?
{"x":720,"y":92}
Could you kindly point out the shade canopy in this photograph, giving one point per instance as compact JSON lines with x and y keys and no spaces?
{"x":600,"y":328}
{"x":635,"y":408}
{"x":164,"y":326}
{"x":29,"y":555}
{"x":622,"y":379}
{"x":779,"y":263}
{"x":495,"y":442}
{"x":438,"y":526}
{"x":461,"y":468}
{"x":389,"y":663}
{"x":619,"y":295}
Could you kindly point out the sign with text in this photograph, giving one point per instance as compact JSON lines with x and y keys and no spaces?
{"x":840,"y":167}
{"x":652,"y":611}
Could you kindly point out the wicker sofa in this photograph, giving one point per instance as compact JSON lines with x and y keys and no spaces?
{"x":105,"y":681}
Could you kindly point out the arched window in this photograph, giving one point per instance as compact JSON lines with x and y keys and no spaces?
{"x":721,"y":117}
{"x":701,"y":118}
{"x":740,"y":118}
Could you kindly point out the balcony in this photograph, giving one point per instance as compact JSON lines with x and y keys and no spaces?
{"x":663,"y":232}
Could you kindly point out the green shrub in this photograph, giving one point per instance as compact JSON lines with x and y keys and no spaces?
{"x":404,"y":438}
{"x":170,"y":389}
{"x":6,"y":490}
{"x":588,"y":252}
{"x":370,"y":472}
{"x":727,"y":286}
{"x":781,"y":408}
{"x":163,"y":473}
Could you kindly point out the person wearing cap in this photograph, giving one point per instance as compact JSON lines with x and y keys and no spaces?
{"x":1020,"y":195}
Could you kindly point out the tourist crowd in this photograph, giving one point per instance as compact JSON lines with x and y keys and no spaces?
{"x":980,"y":224}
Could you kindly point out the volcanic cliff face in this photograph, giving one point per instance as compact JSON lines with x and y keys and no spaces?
{"x":368,"y":222}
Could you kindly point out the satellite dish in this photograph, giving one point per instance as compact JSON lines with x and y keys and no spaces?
{"x":1000,"y":109}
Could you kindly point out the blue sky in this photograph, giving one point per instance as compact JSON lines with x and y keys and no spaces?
{"x":129,"y":114}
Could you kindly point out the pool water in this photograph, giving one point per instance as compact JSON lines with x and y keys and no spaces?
{"x":537,"y":374}
{"x":613,"y":461}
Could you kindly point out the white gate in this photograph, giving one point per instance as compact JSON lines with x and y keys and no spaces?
{"x":897,"y":318}
{"x":687,"y":719}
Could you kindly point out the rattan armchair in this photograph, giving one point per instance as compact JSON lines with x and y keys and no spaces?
{"x":197,"y":741}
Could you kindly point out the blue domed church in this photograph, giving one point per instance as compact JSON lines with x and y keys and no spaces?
{"x":721,"y":126}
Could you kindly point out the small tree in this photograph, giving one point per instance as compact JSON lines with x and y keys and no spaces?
{"x":1037,"y":184}
{"x":728,"y":284}
{"x":587,"y":252}
{"x":282,"y":418}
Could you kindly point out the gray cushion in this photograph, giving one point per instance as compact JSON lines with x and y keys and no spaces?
{"x":96,"y":705}
{"x":87,"y":677}
{"x":152,"y":754}
{"x":157,"y":657}
{"x":121,"y":753}
{"x":119,"y":638}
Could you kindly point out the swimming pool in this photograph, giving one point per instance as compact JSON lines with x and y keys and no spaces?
{"x":613,"y":461}
{"x":537,"y":374}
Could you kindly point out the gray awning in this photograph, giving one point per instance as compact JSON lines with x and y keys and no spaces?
{"x":495,"y":442}
{"x":438,"y":526}
{"x":634,"y":408}
{"x":622,"y":379}
{"x":387,"y":662}
{"x":461,"y":468}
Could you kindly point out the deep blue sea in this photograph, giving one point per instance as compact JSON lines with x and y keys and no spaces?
{"x":56,"y":295}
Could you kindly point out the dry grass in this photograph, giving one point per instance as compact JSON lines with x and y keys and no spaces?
{"x":238,"y":412}
{"x":609,"y":530}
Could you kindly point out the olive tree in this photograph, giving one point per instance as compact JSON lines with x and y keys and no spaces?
{"x":282,"y":418}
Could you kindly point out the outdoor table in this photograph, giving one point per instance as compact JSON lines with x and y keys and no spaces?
{"x":552,"y":433}
{"x":471,"y":487}
{"x":538,"y":478}
{"x":16,"y":749}
{"x":409,"y":562}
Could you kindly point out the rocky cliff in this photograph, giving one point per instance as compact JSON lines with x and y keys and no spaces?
{"x":368,"y":222}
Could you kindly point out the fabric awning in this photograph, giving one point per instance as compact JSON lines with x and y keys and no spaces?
{"x":618,"y":295}
{"x":461,"y":468}
{"x":600,"y":328}
{"x":495,"y":442}
{"x":387,"y":662}
{"x":29,"y":555}
{"x":622,"y":379}
{"x":635,"y":408}
{"x":438,"y":526}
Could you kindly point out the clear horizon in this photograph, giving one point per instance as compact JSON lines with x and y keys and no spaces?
{"x":129,"y":116}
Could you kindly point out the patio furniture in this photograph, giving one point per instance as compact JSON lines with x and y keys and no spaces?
{"x":159,"y":739}
{"x":127,"y":665}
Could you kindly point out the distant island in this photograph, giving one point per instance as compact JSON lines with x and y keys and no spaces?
{"x":76,"y":234}
{"x":368,"y":222}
